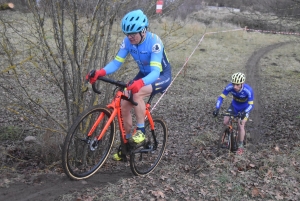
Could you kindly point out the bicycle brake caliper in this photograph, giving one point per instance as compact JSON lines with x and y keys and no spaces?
{"x":94,"y":144}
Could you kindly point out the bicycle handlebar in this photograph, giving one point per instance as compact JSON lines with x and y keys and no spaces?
{"x":119,"y":84}
{"x":231,"y":115}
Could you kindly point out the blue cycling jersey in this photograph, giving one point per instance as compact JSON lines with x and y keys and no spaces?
{"x":242,"y":100}
{"x":149,"y":55}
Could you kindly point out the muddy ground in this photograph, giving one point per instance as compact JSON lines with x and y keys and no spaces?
{"x":187,"y":157}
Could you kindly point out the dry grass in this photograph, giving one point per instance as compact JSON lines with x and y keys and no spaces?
{"x":189,"y":169}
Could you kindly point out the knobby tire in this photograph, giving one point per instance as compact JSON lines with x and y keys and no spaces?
{"x":143,"y":162}
{"x":223,"y":137}
{"x":81,"y":158}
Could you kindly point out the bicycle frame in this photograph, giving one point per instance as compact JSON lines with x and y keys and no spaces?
{"x":85,"y":151}
{"x":232,"y":133}
{"x":115,"y":106}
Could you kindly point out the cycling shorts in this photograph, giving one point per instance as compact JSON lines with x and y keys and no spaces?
{"x":161,"y":83}
{"x":234,"y":111}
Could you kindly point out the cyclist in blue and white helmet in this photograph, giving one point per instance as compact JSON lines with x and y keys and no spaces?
{"x":154,"y":75}
{"x":135,"y":22}
{"x":242,"y":102}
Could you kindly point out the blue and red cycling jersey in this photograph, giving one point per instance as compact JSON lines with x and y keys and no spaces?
{"x":242,"y":100}
{"x":154,"y":67}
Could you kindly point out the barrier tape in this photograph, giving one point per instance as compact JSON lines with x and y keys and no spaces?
{"x":273,"y":32}
{"x":241,"y":29}
{"x":188,"y":60}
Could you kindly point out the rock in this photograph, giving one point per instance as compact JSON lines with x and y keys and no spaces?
{"x":30,"y":139}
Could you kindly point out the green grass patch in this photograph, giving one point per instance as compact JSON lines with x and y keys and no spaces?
{"x":10,"y":133}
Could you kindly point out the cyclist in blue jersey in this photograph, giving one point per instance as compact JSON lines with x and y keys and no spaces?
{"x":242,"y":103}
{"x":154,"y":74}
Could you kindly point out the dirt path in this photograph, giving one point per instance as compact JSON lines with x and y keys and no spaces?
{"x":50,"y":186}
{"x":252,"y":72}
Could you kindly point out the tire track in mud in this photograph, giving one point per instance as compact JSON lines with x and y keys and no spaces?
{"x":253,"y":79}
{"x":51,"y":186}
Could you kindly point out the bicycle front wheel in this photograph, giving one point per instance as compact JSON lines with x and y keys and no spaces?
{"x":233,"y":140}
{"x":224,"y":141}
{"x":83,"y":155}
{"x":144,"y":159}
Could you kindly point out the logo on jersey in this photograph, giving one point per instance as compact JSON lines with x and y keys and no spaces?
{"x":156,"y":48}
{"x":122,"y":46}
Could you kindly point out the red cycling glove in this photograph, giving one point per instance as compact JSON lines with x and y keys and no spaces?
{"x":98,"y":73}
{"x":136,"y":86}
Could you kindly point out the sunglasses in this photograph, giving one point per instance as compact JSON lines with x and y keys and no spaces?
{"x":130,"y":34}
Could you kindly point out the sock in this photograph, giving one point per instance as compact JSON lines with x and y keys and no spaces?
{"x":141,"y":127}
{"x":241,"y":144}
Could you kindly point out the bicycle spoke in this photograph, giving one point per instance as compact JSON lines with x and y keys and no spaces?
{"x":83,"y":155}
{"x":144,"y":159}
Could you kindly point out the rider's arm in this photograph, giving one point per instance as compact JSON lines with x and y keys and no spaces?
{"x":157,"y":50}
{"x":152,"y":76}
{"x":250,"y":100}
{"x":118,"y":60}
{"x":223,"y":95}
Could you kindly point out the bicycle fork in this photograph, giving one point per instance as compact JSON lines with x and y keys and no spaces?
{"x":94,"y":142}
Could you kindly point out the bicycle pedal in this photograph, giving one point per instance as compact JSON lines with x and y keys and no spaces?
{"x":137,"y":145}
{"x":124,"y":159}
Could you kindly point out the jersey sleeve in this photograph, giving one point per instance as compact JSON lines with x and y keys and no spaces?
{"x":250,"y":100}
{"x":223,"y":95}
{"x":155,"y":60}
{"x":115,"y":64}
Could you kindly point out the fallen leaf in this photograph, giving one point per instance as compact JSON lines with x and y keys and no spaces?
{"x":269,"y":173}
{"x":255,"y":192}
{"x":233,"y":172}
{"x":278,"y":197}
{"x":280,"y":170}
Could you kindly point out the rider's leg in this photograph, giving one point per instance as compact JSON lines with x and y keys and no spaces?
{"x":242,"y":130}
{"x":126,"y":114}
{"x":226,"y":120}
{"x":139,"y":109}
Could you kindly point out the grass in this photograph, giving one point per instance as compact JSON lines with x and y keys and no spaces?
{"x":10,"y":133}
{"x":189,"y":170}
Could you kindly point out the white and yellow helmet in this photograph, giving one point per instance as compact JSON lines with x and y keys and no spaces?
{"x":238,"y":78}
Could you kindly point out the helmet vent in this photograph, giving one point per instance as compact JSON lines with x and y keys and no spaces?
{"x":132,"y":27}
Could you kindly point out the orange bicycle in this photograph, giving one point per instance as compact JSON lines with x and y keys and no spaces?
{"x":229,"y":134}
{"x":90,"y":138}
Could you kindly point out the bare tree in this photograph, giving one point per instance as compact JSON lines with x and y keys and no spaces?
{"x":49,"y":50}
{"x":46,"y":53}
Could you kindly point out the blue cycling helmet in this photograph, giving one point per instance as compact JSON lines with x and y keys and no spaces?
{"x":134,"y":22}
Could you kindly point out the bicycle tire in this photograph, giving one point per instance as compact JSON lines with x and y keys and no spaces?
{"x":233,"y":141}
{"x":223,"y":139}
{"x":82,"y":157}
{"x":142,"y":160}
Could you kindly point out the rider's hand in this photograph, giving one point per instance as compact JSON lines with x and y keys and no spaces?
{"x":94,"y":74}
{"x":243,"y":115}
{"x":216,"y":112}
{"x":136,"y":86}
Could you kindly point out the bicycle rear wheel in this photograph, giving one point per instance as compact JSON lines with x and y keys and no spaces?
{"x":82,"y":155}
{"x":144,"y":159}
